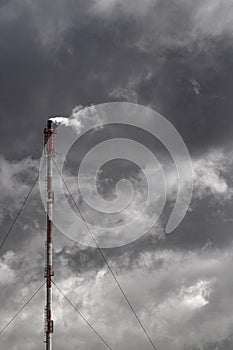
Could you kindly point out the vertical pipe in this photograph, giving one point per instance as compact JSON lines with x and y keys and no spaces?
{"x":49,"y":152}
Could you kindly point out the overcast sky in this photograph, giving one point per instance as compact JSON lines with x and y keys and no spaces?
{"x":172,"y":56}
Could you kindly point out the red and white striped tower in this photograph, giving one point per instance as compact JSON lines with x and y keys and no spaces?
{"x":49,"y":153}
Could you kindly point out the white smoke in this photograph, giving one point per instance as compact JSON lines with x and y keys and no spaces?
{"x":60,"y":120}
{"x":79,"y":117}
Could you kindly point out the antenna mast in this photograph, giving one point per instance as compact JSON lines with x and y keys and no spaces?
{"x":49,"y":153}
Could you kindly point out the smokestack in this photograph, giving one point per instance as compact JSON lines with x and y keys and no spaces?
{"x":49,"y":153}
{"x":50,"y":124}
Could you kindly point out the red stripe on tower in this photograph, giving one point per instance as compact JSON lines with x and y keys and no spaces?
{"x":49,"y":153}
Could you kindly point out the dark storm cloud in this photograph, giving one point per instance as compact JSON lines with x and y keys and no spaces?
{"x":57,"y":56}
{"x":39,"y":80}
{"x":203,"y":115}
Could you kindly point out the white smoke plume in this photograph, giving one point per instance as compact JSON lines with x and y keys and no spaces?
{"x":60,"y":120}
{"x":79,"y":117}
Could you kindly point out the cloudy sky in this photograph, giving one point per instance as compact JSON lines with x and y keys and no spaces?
{"x":172,"y":56}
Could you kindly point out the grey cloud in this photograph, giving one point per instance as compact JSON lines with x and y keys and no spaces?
{"x":180,"y":290}
{"x":169,"y":278}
